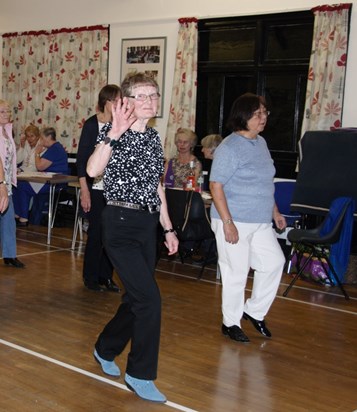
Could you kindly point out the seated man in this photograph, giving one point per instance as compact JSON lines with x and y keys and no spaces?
{"x":54,"y":159}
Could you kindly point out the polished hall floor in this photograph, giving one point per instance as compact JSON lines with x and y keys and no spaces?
{"x":49,"y":322}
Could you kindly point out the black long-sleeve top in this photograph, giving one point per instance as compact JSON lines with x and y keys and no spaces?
{"x":86,"y":146}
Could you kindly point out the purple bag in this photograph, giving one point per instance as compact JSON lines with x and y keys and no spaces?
{"x":169,"y":177}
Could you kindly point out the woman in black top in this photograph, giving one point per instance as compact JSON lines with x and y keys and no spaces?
{"x":97,"y":268}
{"x":130,"y":154}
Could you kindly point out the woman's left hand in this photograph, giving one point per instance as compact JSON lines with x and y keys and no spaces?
{"x":39,"y":149}
{"x":280,"y":221}
{"x":231,"y":234}
{"x":171,"y":242}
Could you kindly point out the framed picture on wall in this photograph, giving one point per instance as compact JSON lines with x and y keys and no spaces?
{"x":145,"y":55}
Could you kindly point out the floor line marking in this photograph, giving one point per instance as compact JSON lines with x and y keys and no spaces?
{"x":319,"y":306}
{"x":277,"y":296}
{"x":84,"y":372}
{"x":217,"y":281}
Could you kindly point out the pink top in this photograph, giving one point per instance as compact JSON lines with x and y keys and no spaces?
{"x":9,"y":169}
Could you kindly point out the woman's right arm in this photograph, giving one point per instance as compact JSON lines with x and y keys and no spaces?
{"x":122,"y":120}
{"x":220,"y":203}
{"x":86,"y":146}
{"x":99,"y":159}
{"x":85,"y":194}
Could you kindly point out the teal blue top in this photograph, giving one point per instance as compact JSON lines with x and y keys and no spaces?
{"x":246,"y":170}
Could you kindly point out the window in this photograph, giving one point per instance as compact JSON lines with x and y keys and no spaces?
{"x":267,"y":55}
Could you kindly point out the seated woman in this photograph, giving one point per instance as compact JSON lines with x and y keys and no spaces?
{"x":25,"y":153}
{"x":178,"y":168}
{"x":54,"y":159}
{"x":209,"y":144}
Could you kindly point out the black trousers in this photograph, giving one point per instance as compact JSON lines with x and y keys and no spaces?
{"x":96,"y":264}
{"x":130,"y":241}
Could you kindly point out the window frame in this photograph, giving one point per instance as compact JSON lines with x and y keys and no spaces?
{"x":257,"y":70}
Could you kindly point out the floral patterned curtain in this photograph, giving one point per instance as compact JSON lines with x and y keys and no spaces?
{"x":326,"y":78}
{"x":52,"y":78}
{"x":184,"y":90}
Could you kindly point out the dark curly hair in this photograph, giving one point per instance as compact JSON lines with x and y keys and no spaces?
{"x":242,"y":111}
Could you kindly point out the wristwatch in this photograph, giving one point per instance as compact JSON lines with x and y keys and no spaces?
{"x":111,"y":142}
{"x":2,"y":182}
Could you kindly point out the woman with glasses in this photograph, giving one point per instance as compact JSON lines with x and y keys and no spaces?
{"x":8,"y":159}
{"x":242,"y":188}
{"x":97,"y":269}
{"x":131,"y":156}
{"x":178,"y":168}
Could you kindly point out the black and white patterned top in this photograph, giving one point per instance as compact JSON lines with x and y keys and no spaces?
{"x":135,"y":167}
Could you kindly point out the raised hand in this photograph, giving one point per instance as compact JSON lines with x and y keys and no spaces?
{"x":123,"y":118}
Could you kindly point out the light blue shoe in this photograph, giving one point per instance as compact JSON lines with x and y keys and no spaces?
{"x":144,"y":389}
{"x":108,"y":367}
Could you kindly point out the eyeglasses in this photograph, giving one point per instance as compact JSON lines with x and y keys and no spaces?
{"x":5,"y":111}
{"x":144,"y":97}
{"x":264,"y":113}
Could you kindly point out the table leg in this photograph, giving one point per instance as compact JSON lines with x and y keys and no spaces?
{"x":76,"y":218}
{"x":50,"y":212}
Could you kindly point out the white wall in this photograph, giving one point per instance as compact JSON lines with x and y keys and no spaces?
{"x":157,"y":18}
{"x":163,"y":28}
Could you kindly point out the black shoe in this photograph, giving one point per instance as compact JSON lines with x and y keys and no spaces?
{"x":14,"y":262}
{"x":110,"y":285}
{"x":235,"y":333}
{"x":259,"y":325}
{"x":22,"y":224}
{"x":93,"y":286}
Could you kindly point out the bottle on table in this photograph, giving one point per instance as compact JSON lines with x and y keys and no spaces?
{"x":200,"y":183}
{"x":205,"y":181}
{"x":191,"y":179}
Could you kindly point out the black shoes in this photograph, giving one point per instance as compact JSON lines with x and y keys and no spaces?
{"x":110,"y":285}
{"x":259,"y":325}
{"x":235,"y":333}
{"x":14,"y":262}
{"x":93,"y":286}
{"x":19,"y":223}
{"x":100,"y":286}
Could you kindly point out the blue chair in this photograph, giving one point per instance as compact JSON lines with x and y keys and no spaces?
{"x":284,"y":190}
{"x":329,"y":242}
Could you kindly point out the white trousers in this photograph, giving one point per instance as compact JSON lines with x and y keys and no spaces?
{"x":258,"y":249}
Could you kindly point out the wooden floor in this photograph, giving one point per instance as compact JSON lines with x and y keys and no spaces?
{"x":49,"y":323}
